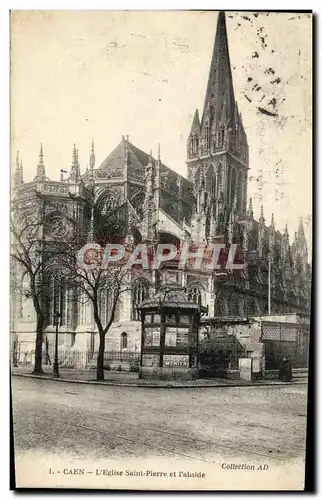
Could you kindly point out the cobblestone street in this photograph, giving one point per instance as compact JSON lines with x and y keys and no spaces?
{"x":204,"y":425}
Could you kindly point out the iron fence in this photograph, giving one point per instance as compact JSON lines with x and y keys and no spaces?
{"x":72,"y":358}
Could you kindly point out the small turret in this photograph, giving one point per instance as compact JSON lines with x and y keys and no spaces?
{"x":41,"y":171}
{"x":75,"y":170}
{"x":261,"y":230}
{"x":250,"y":212}
{"x":300,"y":245}
{"x":18,"y":177}
{"x":92,"y":156}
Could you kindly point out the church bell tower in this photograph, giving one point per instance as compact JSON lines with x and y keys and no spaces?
{"x":217,"y":148}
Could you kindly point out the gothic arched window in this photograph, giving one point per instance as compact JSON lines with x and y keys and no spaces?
{"x":211,"y":181}
{"x":240,"y":191}
{"x":228,"y":182}
{"x":239,"y":180}
{"x":139,"y":295}
{"x":194,"y":295}
{"x":233,"y":185}
{"x":191,"y":146}
{"x":221,"y":137}
{"x":219,"y":179}
{"x":233,"y":306}
{"x":221,"y":308}
{"x":207,"y":138}
{"x":57,"y":299}
{"x":123,"y":340}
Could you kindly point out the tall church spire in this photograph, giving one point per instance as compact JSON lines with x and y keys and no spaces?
{"x":220,"y":88}
{"x":220,"y":132}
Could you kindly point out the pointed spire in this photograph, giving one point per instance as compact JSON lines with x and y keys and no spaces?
{"x":41,"y":172}
{"x":21,"y":171}
{"x":75,"y":156}
{"x":157,"y":173}
{"x":92,"y":156}
{"x":126,"y":155}
{"x":91,"y":165}
{"x":236,"y":114}
{"x":272,"y":226}
{"x":250,"y":212}
{"x":18,"y":176}
{"x":261,"y":217}
{"x":75,"y":170}
{"x":17,"y":161}
{"x":195,"y":127}
{"x":220,"y":84}
{"x":286,"y":230}
{"x":41,"y":155}
{"x":300,"y":231}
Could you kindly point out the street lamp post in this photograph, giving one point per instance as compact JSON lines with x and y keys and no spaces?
{"x":55,"y":366}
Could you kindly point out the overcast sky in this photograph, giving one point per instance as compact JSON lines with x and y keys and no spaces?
{"x":79,"y":75}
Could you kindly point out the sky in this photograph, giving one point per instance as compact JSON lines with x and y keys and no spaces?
{"x":78,"y":75}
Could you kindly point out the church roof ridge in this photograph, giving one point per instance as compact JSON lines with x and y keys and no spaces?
{"x":140,"y":156}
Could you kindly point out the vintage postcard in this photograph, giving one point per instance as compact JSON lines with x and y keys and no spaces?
{"x":161,"y":249}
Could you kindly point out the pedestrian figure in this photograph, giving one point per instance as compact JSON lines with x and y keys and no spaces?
{"x":285,"y":371}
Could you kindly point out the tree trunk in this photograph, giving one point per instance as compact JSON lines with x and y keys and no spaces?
{"x":38,"y":351}
{"x":100,"y":358}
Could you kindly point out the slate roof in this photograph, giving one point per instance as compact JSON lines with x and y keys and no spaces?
{"x":139,"y":159}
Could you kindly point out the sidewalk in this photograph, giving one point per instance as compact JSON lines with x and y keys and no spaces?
{"x":130,"y":379}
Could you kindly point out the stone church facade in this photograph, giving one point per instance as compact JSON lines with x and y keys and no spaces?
{"x":210,"y":205}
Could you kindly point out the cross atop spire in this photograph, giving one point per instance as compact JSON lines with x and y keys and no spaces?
{"x":41,"y":172}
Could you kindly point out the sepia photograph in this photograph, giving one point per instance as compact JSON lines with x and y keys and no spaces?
{"x":160,"y":249}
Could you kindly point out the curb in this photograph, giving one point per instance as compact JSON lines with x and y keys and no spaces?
{"x":155,"y":386}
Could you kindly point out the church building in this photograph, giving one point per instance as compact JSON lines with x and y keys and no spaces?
{"x":207,"y":206}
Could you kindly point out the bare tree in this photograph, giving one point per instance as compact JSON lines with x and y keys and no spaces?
{"x":27,"y":250}
{"x":92,"y":276}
